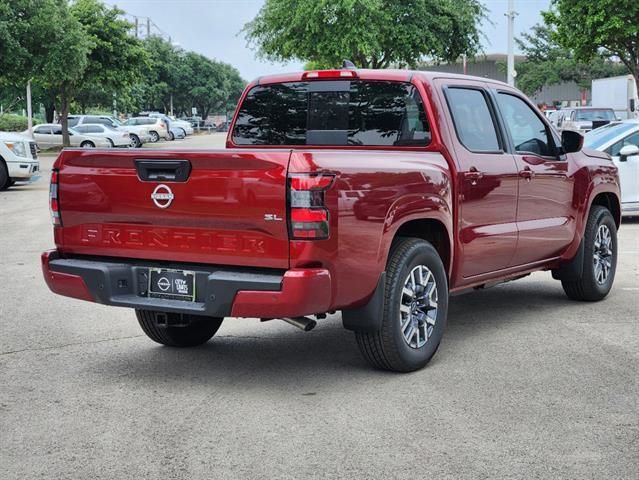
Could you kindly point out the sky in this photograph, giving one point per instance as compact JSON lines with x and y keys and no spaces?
{"x":213,"y":27}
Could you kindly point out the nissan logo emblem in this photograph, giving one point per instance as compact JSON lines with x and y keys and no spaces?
{"x":162,"y":196}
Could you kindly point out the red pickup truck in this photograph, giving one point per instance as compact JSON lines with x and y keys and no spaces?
{"x":377,"y":193}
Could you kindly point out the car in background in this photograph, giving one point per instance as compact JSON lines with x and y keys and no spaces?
{"x":584,"y":119}
{"x":49,"y":135}
{"x":553,"y":117}
{"x":196,"y":122}
{"x":117,"y":138}
{"x":18,"y":159}
{"x":174,"y":124}
{"x":223,"y":127}
{"x":156,"y":126}
{"x":621,"y":141}
{"x":140,"y":134}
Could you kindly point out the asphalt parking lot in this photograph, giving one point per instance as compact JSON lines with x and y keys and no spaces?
{"x":526,"y":384}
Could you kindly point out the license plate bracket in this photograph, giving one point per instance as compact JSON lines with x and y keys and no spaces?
{"x":172,"y":284}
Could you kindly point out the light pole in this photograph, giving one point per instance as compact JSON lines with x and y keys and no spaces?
{"x":511,"y":42}
{"x":29,"y":110}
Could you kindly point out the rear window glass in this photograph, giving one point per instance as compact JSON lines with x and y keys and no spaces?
{"x":332,"y":113}
{"x":472,"y":118}
{"x":593,"y":115}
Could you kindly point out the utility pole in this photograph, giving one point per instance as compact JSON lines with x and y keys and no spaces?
{"x":148,"y":27}
{"x":171,"y":104}
{"x":29,"y":110}
{"x":137,"y":28}
{"x":511,"y":42}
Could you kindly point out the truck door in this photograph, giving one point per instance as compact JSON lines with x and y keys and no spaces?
{"x":487,"y":180}
{"x":545,"y":218}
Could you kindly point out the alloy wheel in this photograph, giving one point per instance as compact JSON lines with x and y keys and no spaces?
{"x":602,"y":256}
{"x":418,"y":306}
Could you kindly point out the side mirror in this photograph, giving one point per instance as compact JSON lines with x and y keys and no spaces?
{"x":571,"y":141}
{"x":628,"y":151}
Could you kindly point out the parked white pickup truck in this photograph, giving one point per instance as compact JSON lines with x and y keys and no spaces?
{"x":18,"y":159}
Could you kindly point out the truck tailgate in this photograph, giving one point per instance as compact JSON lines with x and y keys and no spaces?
{"x":231,"y":210}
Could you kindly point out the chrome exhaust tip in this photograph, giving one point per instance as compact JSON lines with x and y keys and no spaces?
{"x":303,"y":323}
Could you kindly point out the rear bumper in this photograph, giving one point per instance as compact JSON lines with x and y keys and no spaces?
{"x":220,"y":291}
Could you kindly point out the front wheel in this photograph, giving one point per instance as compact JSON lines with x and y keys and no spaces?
{"x":87,"y":144}
{"x":599,"y":260}
{"x":176,"y":329}
{"x":5,"y":181}
{"x":415,"y":309}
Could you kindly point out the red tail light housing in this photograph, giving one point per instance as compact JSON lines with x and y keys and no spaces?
{"x":308,"y":216}
{"x":54,"y":200}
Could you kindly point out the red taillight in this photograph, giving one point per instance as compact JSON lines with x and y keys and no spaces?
{"x":54,"y":203}
{"x":308,"y":217}
{"x":329,"y":74}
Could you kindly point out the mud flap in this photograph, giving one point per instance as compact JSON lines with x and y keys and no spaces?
{"x":572,"y":270}
{"x":367,"y":318}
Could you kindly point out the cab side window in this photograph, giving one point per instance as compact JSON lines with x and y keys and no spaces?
{"x":528,"y":132}
{"x":472,"y":119}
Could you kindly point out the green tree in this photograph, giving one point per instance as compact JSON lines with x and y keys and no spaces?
{"x":114,"y":58}
{"x":371,"y":33}
{"x":41,"y":41}
{"x":590,"y":28}
{"x":548,"y":63}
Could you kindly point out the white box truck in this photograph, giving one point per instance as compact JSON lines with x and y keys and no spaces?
{"x":618,"y":93}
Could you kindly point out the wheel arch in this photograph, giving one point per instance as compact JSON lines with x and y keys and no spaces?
{"x":433,"y":231}
{"x":610,"y":201}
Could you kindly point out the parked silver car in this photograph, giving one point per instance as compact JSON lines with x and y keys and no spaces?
{"x":157,"y":127}
{"x":49,"y":135}
{"x":140,"y":134}
{"x":117,"y":138}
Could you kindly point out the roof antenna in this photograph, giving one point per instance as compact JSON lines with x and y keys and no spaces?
{"x":348,"y":64}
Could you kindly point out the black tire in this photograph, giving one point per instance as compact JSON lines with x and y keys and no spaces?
{"x":387,"y":349}
{"x":193,"y":330}
{"x":588,"y":288}
{"x":170,"y":136}
{"x":5,"y":181}
{"x":183,"y":132}
{"x":155,"y":137}
{"x":111,"y":143}
{"x":87,"y":144}
{"x":135,"y":141}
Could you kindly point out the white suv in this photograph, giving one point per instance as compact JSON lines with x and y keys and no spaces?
{"x":18,"y":159}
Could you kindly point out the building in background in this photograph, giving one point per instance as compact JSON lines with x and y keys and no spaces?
{"x":494,"y":66}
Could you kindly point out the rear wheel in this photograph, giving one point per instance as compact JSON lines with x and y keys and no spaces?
{"x":176,"y":329}
{"x":599,"y":260}
{"x":87,"y":144}
{"x":111,"y":143}
{"x":415,"y":309}
{"x":170,"y":136}
{"x":135,"y":141}
{"x":155,"y":138}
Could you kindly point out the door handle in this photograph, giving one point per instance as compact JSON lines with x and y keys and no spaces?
{"x":473,"y":175}
{"x":526,"y":173}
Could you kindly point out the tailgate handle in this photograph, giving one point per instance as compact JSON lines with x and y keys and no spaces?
{"x":163,"y":170}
